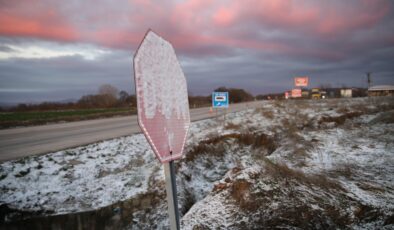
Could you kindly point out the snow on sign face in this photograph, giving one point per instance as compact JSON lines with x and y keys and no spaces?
{"x":162,"y":100}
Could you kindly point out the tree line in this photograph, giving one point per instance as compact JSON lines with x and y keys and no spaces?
{"x":108,"y":96}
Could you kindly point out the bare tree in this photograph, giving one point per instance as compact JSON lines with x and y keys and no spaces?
{"x":108,"y":89}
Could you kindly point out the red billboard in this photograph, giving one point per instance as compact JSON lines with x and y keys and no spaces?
{"x":301,"y":81}
{"x":296,"y":93}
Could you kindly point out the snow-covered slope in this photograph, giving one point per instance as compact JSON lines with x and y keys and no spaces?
{"x":292,"y":164}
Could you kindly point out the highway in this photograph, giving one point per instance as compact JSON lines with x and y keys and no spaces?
{"x":25,"y":141}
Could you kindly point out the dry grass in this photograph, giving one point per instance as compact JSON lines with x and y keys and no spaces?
{"x":281,"y":170}
{"x":268,"y":114}
{"x":216,"y":146}
{"x":367,"y":213}
{"x":241,"y":192}
{"x":345,"y":170}
{"x":386,"y":118}
{"x":230,"y":125}
{"x":278,"y":104}
{"x":370,"y":188}
{"x":339,"y":120}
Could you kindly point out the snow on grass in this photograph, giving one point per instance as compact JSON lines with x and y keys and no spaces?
{"x":81,"y":178}
{"x":344,"y":140}
{"x":86,"y":177}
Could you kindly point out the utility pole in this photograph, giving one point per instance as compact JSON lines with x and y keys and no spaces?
{"x":369,"y":79}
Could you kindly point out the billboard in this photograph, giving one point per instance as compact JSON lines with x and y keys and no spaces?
{"x":286,"y":95}
{"x":296,"y":93}
{"x":301,"y":81}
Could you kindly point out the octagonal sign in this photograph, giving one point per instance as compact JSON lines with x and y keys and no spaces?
{"x":162,"y":99}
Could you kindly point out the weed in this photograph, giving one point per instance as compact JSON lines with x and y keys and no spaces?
{"x":230,"y":125}
{"x":367,"y":213}
{"x":339,"y":120}
{"x":385,"y":118}
{"x":216,"y":145}
{"x":23,"y":173}
{"x":240,"y":192}
{"x":281,"y":170}
{"x":345,"y":170}
{"x":3,"y":176}
{"x":291,"y":130}
{"x":69,"y":153}
{"x":268,"y":114}
{"x":278,"y":104}
{"x":342,"y":110}
{"x":371,"y":188}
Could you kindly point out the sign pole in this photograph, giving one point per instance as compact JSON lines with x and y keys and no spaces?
{"x":172,"y":200}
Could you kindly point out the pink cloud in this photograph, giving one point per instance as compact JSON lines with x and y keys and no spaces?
{"x":46,"y":24}
{"x":224,"y":17}
{"x":196,"y":25}
{"x":339,"y":21}
{"x":310,"y":17}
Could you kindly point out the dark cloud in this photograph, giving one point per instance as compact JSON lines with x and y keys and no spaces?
{"x":6,"y":49}
{"x":256,"y":45}
{"x":63,"y":77}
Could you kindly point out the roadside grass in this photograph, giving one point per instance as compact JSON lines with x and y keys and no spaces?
{"x":216,"y":146}
{"x":12,"y":119}
{"x":281,"y":170}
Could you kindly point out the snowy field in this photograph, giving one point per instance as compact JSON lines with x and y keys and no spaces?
{"x":289,"y":164}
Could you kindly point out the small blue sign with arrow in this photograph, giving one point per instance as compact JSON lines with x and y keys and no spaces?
{"x":220,"y":99}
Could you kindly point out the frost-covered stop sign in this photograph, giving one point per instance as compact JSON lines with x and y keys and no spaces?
{"x":162,"y":101}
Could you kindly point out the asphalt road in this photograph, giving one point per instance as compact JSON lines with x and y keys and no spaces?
{"x":20,"y":142}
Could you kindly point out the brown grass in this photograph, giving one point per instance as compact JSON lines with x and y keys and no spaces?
{"x":339,"y":120}
{"x":230,"y":125}
{"x":367,"y":213}
{"x":268,"y":114}
{"x":371,"y":188}
{"x":291,"y":130}
{"x":215,"y":146}
{"x":241,"y":192}
{"x":281,"y":170}
{"x":345,"y":170}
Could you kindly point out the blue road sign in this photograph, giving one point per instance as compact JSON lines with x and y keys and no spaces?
{"x":220,"y":100}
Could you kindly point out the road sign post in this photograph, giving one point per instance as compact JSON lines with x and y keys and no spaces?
{"x":163,"y":108}
{"x":220,"y":100}
{"x":169,"y":171}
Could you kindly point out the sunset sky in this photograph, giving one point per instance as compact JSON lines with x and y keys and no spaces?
{"x":55,"y":50}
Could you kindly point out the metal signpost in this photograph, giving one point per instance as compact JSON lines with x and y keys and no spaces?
{"x":163,"y":108}
{"x":220,"y":100}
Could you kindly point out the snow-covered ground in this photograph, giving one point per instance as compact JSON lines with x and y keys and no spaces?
{"x":299,"y":163}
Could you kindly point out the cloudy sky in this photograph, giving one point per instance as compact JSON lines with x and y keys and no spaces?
{"x":53,"y":50}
